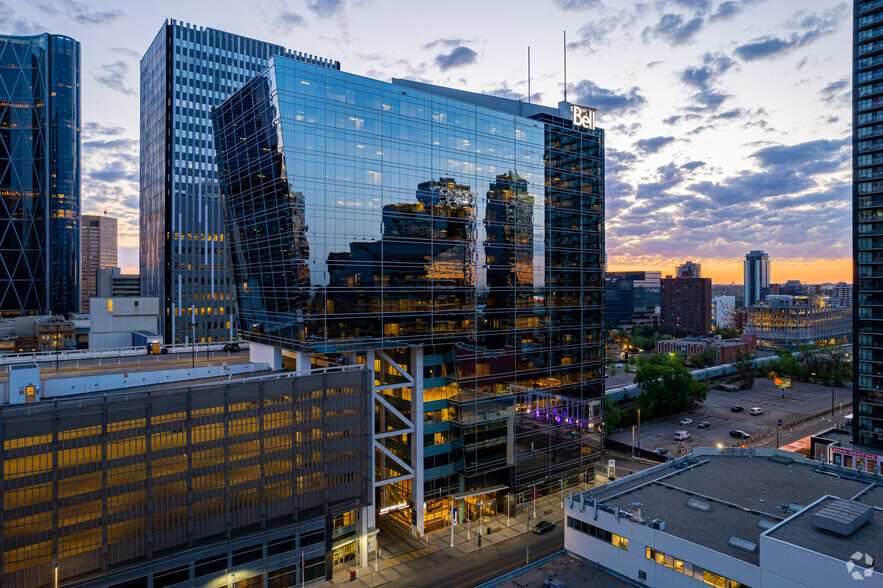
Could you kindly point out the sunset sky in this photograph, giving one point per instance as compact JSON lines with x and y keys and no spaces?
{"x":728,"y":122}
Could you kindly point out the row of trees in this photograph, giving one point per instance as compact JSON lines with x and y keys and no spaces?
{"x":667,"y":387}
{"x":819,"y":365}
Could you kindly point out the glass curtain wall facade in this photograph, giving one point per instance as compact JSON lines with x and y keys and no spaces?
{"x":185,"y":486}
{"x":39,"y":175}
{"x":183,"y":250}
{"x":368,"y":217}
{"x":867,"y":211}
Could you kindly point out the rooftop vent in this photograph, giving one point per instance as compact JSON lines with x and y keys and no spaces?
{"x":657,"y":524}
{"x":794,"y":507}
{"x":843,"y":517}
{"x":699,"y":505}
{"x":766,"y":524}
{"x":743,"y":544}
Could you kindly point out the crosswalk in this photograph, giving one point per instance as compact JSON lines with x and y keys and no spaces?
{"x":411,"y":555}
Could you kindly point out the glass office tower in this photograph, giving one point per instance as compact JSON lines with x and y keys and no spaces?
{"x":867,"y":211}
{"x":453,"y":242}
{"x":39,"y":175}
{"x":757,"y":277}
{"x":185,"y":73}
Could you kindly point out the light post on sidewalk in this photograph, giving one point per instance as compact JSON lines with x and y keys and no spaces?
{"x":468,"y":534}
{"x":527,"y":532}
{"x":562,"y":492}
{"x":507,"y":509}
{"x":452,"y":522}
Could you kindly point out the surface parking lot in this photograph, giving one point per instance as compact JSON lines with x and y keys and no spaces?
{"x":801,"y":401}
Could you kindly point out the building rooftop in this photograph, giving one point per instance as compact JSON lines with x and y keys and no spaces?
{"x":743,"y":487}
{"x":799,"y":530}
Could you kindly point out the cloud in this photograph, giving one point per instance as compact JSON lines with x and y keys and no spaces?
{"x":506,"y":92}
{"x":652,"y":145}
{"x":703,"y":78}
{"x":458,"y":57}
{"x":80,"y":13}
{"x":690,"y":166}
{"x":577,"y":4}
{"x":125,"y":51}
{"x":91,"y":129}
{"x":287,"y":20}
{"x":731,"y":8}
{"x":673,"y":29}
{"x":325,"y":8}
{"x":809,"y":27}
{"x":110,"y":144}
{"x":112,"y":75}
{"x":610,"y":103}
{"x":810,"y":153}
{"x":671,"y":119}
{"x":445,"y":43}
{"x":837,"y":93}
{"x":12,"y":24}
{"x":697,"y":5}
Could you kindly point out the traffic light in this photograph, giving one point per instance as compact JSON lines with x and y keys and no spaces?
{"x":413,"y":517}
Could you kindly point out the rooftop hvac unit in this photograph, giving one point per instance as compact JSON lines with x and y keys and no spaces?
{"x":657,"y":524}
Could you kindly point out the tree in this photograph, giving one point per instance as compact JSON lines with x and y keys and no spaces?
{"x":726,"y":332}
{"x":612,"y":416}
{"x":667,"y":387}
{"x":744,"y":369}
{"x":705,"y":358}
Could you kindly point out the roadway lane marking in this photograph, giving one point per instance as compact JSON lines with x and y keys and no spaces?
{"x":411,"y":555}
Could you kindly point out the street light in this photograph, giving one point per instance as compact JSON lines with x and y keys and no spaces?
{"x":507,"y":510}
{"x":56,"y":574}
{"x":562,"y":492}
{"x":452,"y":522}
{"x":527,"y":532}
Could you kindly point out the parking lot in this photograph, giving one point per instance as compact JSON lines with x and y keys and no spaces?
{"x":801,"y":401}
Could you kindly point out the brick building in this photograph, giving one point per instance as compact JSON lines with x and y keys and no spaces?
{"x":685,"y":305}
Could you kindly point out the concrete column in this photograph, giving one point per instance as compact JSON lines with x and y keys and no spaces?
{"x":363,"y":536}
{"x":260,"y":353}
{"x":417,"y":437}
{"x":302,"y":363}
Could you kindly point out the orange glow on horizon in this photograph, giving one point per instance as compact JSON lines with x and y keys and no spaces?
{"x":730,"y":271}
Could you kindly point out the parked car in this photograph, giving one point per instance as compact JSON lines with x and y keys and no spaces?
{"x":542,"y":527}
{"x":704,"y":425}
{"x":231,"y":347}
{"x":756,"y":410}
{"x":660,"y":451}
{"x":739,"y":434}
{"x":737,"y":408}
{"x":686,"y":421}
{"x":681,"y":435}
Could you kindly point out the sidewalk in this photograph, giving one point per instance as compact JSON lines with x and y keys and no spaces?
{"x":436,"y":547}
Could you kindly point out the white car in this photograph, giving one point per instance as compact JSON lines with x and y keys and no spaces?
{"x":681,"y":435}
{"x":756,"y":410}
{"x":686,"y":421}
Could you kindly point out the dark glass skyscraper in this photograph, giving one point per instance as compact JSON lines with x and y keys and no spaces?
{"x":757,"y":277}
{"x":451,"y":241}
{"x":867,"y":211}
{"x":185,"y":73}
{"x":39,"y":175}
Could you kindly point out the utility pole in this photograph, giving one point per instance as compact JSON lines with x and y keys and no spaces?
{"x":193,"y":333}
{"x":527,"y":532}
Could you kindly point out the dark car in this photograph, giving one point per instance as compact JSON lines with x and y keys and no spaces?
{"x":660,"y":451}
{"x":231,"y":347}
{"x":542,"y":527}
{"x":739,"y":434}
{"x":704,"y":425}
{"x":737,"y":408}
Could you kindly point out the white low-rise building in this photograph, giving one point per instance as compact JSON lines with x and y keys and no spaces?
{"x":723,"y":311}
{"x":734,"y":518}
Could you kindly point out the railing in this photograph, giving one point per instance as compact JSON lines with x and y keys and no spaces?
{"x":75,"y":354}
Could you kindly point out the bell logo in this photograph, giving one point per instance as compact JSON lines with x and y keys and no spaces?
{"x":582,"y":117}
{"x":860,"y":566}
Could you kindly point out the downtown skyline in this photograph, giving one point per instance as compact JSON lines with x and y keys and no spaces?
{"x":728,"y":123}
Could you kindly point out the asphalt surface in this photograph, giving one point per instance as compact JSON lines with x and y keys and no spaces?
{"x":801,"y":401}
